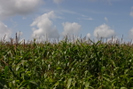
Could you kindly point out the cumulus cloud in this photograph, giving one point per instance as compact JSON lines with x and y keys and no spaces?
{"x":112,"y":40}
{"x":5,"y":32}
{"x":103,"y":31}
{"x":17,"y":7}
{"x":131,"y":13}
{"x":45,"y":26}
{"x":88,"y":35}
{"x":57,"y":1}
{"x":71,"y":28}
{"x":131,"y":33}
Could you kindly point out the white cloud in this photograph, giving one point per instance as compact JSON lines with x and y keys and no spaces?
{"x":88,"y":35}
{"x":131,"y":13}
{"x":45,"y":26}
{"x":131,"y":33}
{"x":103,"y":31}
{"x":112,"y":40}
{"x":106,"y":19}
{"x":71,"y":28}
{"x":4,"y":31}
{"x":17,"y":7}
{"x":57,"y":1}
{"x":19,"y":34}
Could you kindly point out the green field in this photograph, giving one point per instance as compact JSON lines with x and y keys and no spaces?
{"x":66,"y":65}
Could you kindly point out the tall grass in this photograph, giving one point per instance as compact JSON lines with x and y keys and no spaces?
{"x":66,"y":65}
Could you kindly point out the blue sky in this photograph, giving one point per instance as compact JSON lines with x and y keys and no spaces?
{"x":57,"y":18}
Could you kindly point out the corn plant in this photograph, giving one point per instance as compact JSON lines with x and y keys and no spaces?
{"x":66,"y":65}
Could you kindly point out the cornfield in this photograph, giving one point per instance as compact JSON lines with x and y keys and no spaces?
{"x":66,"y":65}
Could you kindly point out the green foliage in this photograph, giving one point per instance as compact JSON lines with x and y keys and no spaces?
{"x":66,"y":65}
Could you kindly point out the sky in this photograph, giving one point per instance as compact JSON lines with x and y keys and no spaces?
{"x":57,"y":18}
